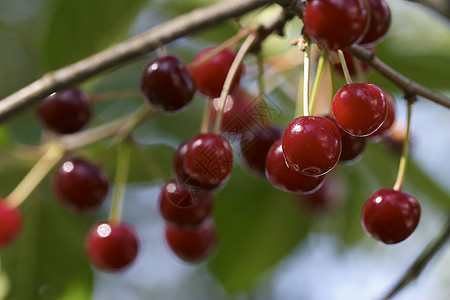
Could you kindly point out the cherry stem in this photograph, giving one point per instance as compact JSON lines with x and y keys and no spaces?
{"x":405,"y":154}
{"x":229,"y":79}
{"x":114,"y":95}
{"x":206,"y":116}
{"x":120,"y":182}
{"x":261,"y":83}
{"x":302,"y":102}
{"x":143,"y":113}
{"x":37,"y":173}
{"x":317,"y":78}
{"x":348,"y":78}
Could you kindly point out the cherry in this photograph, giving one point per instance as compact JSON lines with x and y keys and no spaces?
{"x":360,"y":108}
{"x":390,"y":216}
{"x":208,"y":159}
{"x":111,"y":247}
{"x":185,"y":179}
{"x":65,"y":112}
{"x":387,"y":124}
{"x":255,"y":145}
{"x":210,"y":76}
{"x":166,"y":84}
{"x":335,"y":24}
{"x":352,"y":146}
{"x":80,"y":185}
{"x":183,"y":208}
{"x":192,"y":244}
{"x":311,"y":145}
{"x":10,"y":224}
{"x":285,"y":178}
{"x":380,"y":21}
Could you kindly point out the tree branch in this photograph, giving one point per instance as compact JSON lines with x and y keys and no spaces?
{"x":125,"y":52}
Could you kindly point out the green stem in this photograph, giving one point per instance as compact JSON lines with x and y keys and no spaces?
{"x":348,"y":78}
{"x":318,"y":77}
{"x":405,"y":154}
{"x":207,"y":116}
{"x":120,"y":181}
{"x":144,"y":112}
{"x":306,"y":71}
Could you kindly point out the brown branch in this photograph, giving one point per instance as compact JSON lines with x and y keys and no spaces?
{"x":125,"y":52}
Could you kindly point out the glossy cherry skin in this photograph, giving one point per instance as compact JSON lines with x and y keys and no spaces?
{"x":285,"y":178}
{"x":111,"y":247}
{"x":352,"y":146}
{"x":380,"y":21}
{"x":166,"y":84}
{"x":311,"y":145}
{"x":255,"y":145}
{"x":11,"y":223}
{"x":65,"y":112}
{"x":208,"y":159}
{"x":192,"y":244}
{"x":183,"y":208}
{"x":387,"y":124}
{"x":360,"y":108}
{"x":335,"y":24}
{"x":390,"y":216}
{"x":210,"y":76}
{"x":80,"y":185}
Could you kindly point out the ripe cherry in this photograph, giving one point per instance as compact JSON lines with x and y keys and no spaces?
{"x":192,"y":244}
{"x":285,"y":178}
{"x":80,"y":185}
{"x":166,"y":84}
{"x":390,"y":216}
{"x":311,"y":145}
{"x":360,"y":108}
{"x":210,"y":76}
{"x":387,"y":124}
{"x":65,"y":112}
{"x":208,"y":159}
{"x":380,"y":21}
{"x":255,"y":145}
{"x":335,"y":24}
{"x":183,"y":208}
{"x":10,"y":224}
{"x":111,"y":247}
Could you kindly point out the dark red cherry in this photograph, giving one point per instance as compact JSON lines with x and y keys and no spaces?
{"x":380,"y":21}
{"x":183,"y":208}
{"x":349,"y":61}
{"x":352,"y":146}
{"x":166,"y":84}
{"x":111,"y":247}
{"x":210,"y":76}
{"x":80,"y":185}
{"x":255,"y":145}
{"x":192,"y":244}
{"x":387,"y":124}
{"x":335,"y":24}
{"x":208,"y":159}
{"x":287,"y":179}
{"x":185,"y":179}
{"x":360,"y":108}
{"x":10,"y":224}
{"x":390,"y":216}
{"x":311,"y":145}
{"x":65,"y":112}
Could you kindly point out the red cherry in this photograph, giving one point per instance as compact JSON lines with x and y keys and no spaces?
{"x":255,"y":145}
{"x":390,"y":216}
{"x":380,"y":21}
{"x":287,"y":179}
{"x":360,"y":108}
{"x":208,"y":159}
{"x":335,"y":24}
{"x":65,"y":112}
{"x":387,"y":124}
{"x":311,"y":145}
{"x":10,"y":224}
{"x":80,"y":185}
{"x":210,"y":76}
{"x":166,"y":84}
{"x":192,"y":244}
{"x":183,"y":208}
{"x":111,"y":247}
